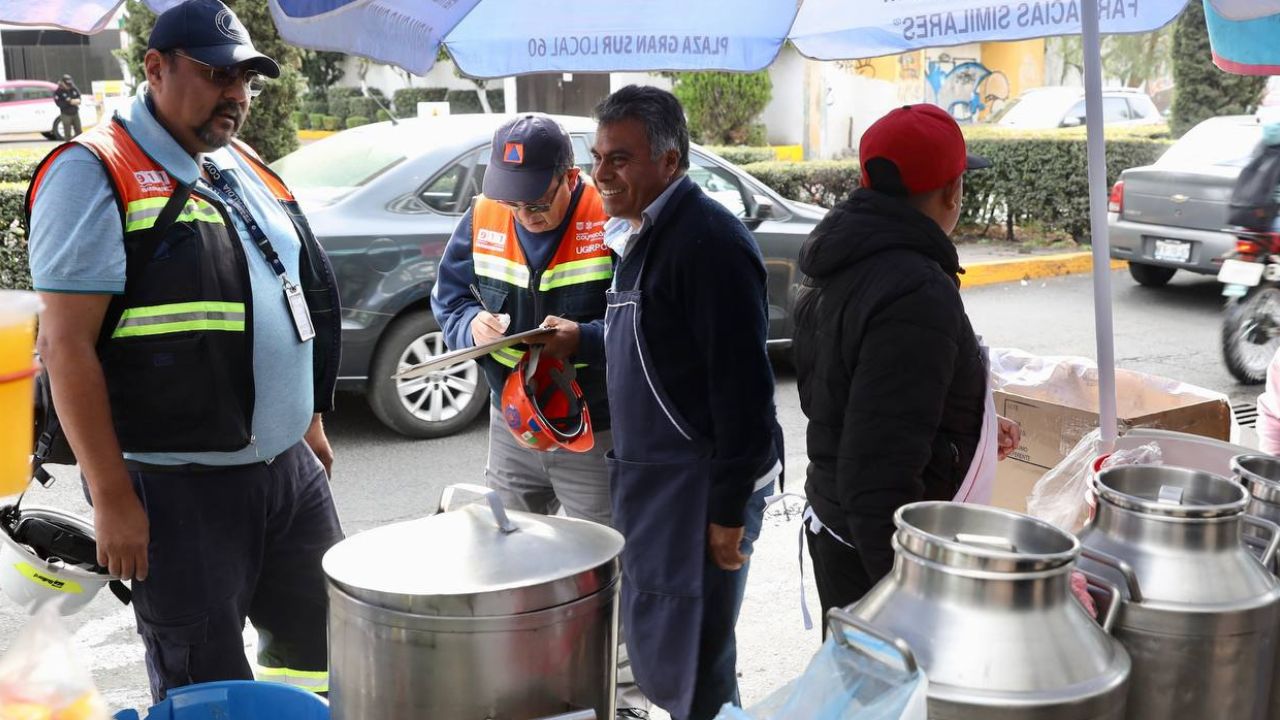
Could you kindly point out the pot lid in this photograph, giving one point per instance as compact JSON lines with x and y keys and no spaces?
{"x":1170,"y":492}
{"x":976,"y":537}
{"x":1260,"y":475}
{"x":463,"y":563}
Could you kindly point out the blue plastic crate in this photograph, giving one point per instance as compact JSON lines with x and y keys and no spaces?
{"x":236,"y":700}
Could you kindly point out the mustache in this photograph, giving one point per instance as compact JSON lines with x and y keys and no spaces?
{"x":230,"y":108}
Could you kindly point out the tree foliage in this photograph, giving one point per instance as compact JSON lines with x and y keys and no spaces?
{"x":1201,"y":90}
{"x":322,"y":69}
{"x":721,"y":105}
{"x":270,"y":128}
{"x":1134,"y":60}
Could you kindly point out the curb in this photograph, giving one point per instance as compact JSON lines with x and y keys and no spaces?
{"x":993,"y":272}
{"x":314,"y":134}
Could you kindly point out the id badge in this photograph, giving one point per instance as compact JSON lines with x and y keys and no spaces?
{"x":301,"y":314}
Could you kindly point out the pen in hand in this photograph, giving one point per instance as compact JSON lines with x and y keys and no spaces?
{"x":480,"y":298}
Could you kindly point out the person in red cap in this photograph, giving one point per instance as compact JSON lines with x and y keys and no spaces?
{"x":892,"y":379}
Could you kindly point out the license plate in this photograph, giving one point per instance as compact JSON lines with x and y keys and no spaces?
{"x":1238,"y":272}
{"x":1172,"y":250}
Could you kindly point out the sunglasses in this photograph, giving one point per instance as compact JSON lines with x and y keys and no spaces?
{"x":225,"y":77}
{"x":539,"y":207}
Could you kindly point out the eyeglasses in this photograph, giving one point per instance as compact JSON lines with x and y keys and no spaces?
{"x":539,"y":207}
{"x":224,"y":77}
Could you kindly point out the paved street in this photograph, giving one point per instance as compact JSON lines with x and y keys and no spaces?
{"x":382,"y":478}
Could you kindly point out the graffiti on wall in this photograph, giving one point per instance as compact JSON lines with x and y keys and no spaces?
{"x":966,"y":88}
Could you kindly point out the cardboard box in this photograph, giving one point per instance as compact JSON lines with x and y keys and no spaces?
{"x":1056,"y":413}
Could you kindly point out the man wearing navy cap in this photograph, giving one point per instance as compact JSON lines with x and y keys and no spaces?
{"x":533,"y":248}
{"x":191,"y":338}
{"x":891,"y":377}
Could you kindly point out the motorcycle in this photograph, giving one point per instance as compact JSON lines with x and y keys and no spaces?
{"x":1250,"y":278}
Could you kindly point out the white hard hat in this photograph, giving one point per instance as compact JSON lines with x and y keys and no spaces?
{"x":48,"y":554}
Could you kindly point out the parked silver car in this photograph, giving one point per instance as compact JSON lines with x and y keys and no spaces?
{"x":383,"y":200}
{"x":1172,"y":215}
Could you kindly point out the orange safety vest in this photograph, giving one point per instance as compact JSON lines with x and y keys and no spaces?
{"x":571,"y":286}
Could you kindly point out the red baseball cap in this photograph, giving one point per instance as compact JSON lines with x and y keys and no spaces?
{"x":914,"y":149}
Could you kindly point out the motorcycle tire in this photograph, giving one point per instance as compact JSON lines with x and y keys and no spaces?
{"x":1251,"y":334}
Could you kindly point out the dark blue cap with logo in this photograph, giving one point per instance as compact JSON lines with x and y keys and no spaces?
{"x":210,"y":32}
{"x":526,"y":152}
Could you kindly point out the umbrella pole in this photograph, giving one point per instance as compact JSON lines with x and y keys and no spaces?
{"x":1098,"y":224}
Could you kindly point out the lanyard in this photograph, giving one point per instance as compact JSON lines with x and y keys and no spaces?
{"x":293,"y":295}
{"x":233,"y":201}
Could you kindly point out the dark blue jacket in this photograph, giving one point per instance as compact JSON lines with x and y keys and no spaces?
{"x":706,"y":320}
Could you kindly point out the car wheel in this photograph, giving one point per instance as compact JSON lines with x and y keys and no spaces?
{"x":436,"y":405}
{"x":55,"y":132}
{"x":1251,"y":334}
{"x":1151,"y":275}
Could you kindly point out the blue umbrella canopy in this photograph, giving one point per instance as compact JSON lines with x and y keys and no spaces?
{"x":841,"y":30}
{"x":512,"y":37}
{"x":82,"y":16}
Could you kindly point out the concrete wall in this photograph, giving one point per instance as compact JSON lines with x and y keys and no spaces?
{"x":389,"y":79}
{"x":783,"y":117}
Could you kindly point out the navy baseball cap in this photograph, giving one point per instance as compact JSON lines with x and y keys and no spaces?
{"x":210,"y":32}
{"x":526,"y":152}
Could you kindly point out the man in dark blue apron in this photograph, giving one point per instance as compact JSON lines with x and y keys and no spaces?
{"x":695,"y":434}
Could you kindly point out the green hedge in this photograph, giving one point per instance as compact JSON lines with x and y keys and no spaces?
{"x":742,"y":154}
{"x":316,"y":121}
{"x":821,"y":182}
{"x":383,"y":116}
{"x":362,"y":106}
{"x":466,"y":101}
{"x":331,"y":122}
{"x":14,"y":273}
{"x":405,"y":100}
{"x":356,"y":121}
{"x":17,"y":165}
{"x":1037,"y":179}
{"x":1042,"y":178}
{"x":301,"y":120}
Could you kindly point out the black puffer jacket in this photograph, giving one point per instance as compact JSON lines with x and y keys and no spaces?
{"x":890,"y":373}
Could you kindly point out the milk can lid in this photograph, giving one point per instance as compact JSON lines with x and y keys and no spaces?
{"x":1167,"y":491}
{"x":975,"y":537}
{"x":465,"y":563}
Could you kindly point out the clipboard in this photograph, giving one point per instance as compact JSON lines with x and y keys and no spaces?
{"x":440,"y":362}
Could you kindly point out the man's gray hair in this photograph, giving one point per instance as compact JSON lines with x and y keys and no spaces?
{"x":659,"y":110}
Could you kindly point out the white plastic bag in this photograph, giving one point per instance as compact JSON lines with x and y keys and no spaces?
{"x":41,"y":678}
{"x":1060,"y":497}
{"x":842,"y":683}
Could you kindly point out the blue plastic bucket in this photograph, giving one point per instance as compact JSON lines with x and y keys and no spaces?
{"x":236,"y":700}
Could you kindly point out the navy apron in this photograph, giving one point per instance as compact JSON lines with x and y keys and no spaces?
{"x":660,"y":476}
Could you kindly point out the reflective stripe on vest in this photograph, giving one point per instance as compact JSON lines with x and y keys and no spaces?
{"x":180,"y":317}
{"x":142,"y":214}
{"x":507,"y":356}
{"x":577,"y":271}
{"x":316,"y":681}
{"x":500,"y":268}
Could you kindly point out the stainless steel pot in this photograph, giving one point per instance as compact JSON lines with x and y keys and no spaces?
{"x":1199,"y":615}
{"x":474,"y":614}
{"x":1260,"y":476}
{"x":983,"y":598}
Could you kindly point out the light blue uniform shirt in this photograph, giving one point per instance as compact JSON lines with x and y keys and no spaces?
{"x":77,"y":246}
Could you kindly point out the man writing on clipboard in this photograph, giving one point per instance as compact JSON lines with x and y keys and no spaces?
{"x":530,"y":252}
